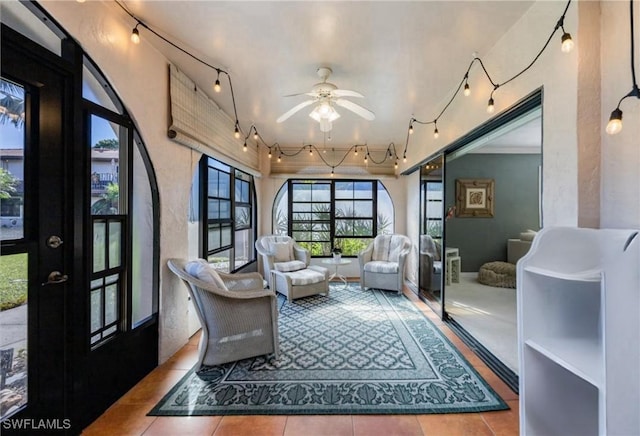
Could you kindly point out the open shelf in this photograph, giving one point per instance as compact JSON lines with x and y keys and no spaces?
{"x":593,"y":275}
{"x":581,"y":357}
{"x":577,"y":297}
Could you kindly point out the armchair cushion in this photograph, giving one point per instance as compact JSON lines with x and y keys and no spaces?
{"x":381,"y":266}
{"x":292,"y":265}
{"x":201,"y":270}
{"x":282,"y":251}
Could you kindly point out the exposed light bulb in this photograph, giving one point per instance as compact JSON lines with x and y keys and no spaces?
{"x":567,"y":43}
{"x":366,"y":157}
{"x":331,"y":171}
{"x":356,"y":152}
{"x":436,"y":133}
{"x":490,"y":107}
{"x":614,"y":125}
{"x":310,"y":150}
{"x":404,"y":158}
{"x":216,"y":86}
{"x":467,"y":90}
{"x":269,"y":153}
{"x":279,"y":158}
{"x":135,"y":35}
{"x":237,"y":132}
{"x":255,"y":134}
{"x":245,"y":146}
{"x":410,"y":129}
{"x":396,"y":164}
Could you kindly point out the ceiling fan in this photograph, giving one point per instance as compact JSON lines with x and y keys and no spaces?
{"x":327,"y":95}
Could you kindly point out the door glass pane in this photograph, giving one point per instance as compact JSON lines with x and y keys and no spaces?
{"x":105,"y":166}
{"x":111,"y":304}
{"x":11,"y":160}
{"x":115,"y":245}
{"x":13,"y":325}
{"x":99,"y":240}
{"x":96,"y":309}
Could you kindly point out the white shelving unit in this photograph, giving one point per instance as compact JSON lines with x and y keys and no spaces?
{"x":578,"y":298}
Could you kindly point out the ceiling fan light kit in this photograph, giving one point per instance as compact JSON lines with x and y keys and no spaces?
{"x":327,"y":94}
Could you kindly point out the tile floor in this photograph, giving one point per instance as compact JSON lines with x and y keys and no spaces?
{"x":127,"y":417}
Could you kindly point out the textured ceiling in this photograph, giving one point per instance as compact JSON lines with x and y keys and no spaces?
{"x":404,"y":57}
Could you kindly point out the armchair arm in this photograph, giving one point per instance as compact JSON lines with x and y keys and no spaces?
{"x":365,"y":255}
{"x":242,"y":281}
{"x":301,"y":254}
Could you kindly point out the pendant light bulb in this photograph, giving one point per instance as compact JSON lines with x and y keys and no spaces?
{"x":614,"y":125}
{"x":567,"y":43}
{"x":356,"y":152}
{"x":331,"y":171}
{"x":310,"y":151}
{"x":467,"y":90}
{"x":436,"y":133}
{"x":279,"y":157}
{"x":396,"y":164}
{"x":490,"y":106}
{"x":270,"y":154}
{"x":255,"y":134}
{"x":366,"y":158}
{"x":244,"y":148}
{"x":135,"y":35}
{"x":411,"y":129}
{"x":236,"y":133}
{"x":217,"y":87}
{"x":404,"y":158}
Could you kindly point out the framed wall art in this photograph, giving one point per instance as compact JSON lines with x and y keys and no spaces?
{"x":474,"y":198}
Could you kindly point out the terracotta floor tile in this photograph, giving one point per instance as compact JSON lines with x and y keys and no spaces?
{"x":122,"y":420}
{"x":251,"y":426}
{"x":153,"y":387}
{"x":504,"y":423}
{"x":185,"y":358}
{"x":497,"y":384}
{"x":319,"y":425}
{"x":386,"y":425}
{"x":183,"y":426}
{"x":455,"y":424}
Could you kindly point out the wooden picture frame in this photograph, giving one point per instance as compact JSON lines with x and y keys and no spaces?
{"x":474,"y":198}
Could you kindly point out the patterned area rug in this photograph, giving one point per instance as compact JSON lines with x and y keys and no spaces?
{"x":354,"y":352}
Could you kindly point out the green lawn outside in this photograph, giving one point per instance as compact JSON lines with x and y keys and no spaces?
{"x":13,"y":280}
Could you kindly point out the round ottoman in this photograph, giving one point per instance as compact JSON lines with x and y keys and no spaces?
{"x":499,"y":274}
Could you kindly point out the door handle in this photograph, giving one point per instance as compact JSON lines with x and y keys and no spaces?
{"x":55,"y":277}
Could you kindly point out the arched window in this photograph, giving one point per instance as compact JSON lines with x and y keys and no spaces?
{"x":324,"y":214}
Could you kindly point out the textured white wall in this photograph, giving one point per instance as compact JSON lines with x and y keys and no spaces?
{"x":555,"y":71}
{"x":620,"y":199}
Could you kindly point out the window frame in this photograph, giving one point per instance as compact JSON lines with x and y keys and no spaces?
{"x":205,"y":221}
{"x":375,"y":186}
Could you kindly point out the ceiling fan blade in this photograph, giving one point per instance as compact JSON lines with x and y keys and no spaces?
{"x":346,"y":93}
{"x":294,"y":110}
{"x":311,"y":94}
{"x":356,"y":108}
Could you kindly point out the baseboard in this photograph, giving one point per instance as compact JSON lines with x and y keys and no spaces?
{"x":500,"y":369}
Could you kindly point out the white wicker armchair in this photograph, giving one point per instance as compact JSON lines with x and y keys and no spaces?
{"x":382,"y":263}
{"x":239,"y":318}
{"x":286,"y":266}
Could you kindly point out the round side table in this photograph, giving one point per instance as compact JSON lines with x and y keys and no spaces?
{"x":337,"y":264}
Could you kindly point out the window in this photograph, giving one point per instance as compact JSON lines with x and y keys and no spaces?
{"x":323,"y":214}
{"x":123,"y":203}
{"x":432,"y":208}
{"x":229,"y":227}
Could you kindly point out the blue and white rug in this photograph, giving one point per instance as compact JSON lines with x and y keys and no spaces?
{"x":354,"y":352}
